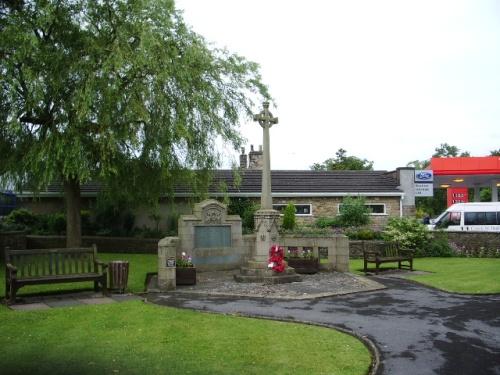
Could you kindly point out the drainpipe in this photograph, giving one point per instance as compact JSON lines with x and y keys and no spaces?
{"x":401,"y":206}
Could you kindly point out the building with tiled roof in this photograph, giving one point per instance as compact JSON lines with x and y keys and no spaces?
{"x":314,"y":193}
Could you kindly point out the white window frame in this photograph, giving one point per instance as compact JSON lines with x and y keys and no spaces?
{"x":296,"y":204}
{"x":369,"y":204}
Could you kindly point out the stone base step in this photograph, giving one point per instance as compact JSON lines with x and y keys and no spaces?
{"x":247,"y":271}
{"x":280,"y":279}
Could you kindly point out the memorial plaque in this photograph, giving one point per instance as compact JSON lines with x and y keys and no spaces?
{"x":171,"y":262}
{"x":206,"y":236}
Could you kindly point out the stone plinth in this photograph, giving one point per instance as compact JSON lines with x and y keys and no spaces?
{"x":167,"y":248}
{"x":256,"y":270}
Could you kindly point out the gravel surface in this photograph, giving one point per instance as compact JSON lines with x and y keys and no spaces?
{"x":322,"y":284}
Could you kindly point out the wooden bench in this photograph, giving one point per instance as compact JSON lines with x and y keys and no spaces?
{"x":47,"y":266}
{"x":388,"y":252}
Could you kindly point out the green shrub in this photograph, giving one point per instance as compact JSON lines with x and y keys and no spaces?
{"x":354,"y":212}
{"x":438,"y":246}
{"x":56,"y":223}
{"x":408,"y":232}
{"x":21,"y":219}
{"x":113,"y":218}
{"x":245,"y":208}
{"x":289,"y":217}
{"x":172,"y":223}
{"x":89,"y":227}
{"x":327,"y":222}
{"x":363,"y":234}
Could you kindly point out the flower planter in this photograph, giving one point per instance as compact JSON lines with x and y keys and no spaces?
{"x":304,"y":266}
{"x":185,"y":275}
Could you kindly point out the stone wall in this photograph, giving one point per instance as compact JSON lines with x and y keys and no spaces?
{"x":336,"y":246}
{"x":356,"y":247}
{"x":474,"y":241}
{"x":104,"y":244}
{"x":328,"y":207}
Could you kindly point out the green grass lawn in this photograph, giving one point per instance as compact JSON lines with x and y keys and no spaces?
{"x":461,"y":275}
{"x":140,"y":338}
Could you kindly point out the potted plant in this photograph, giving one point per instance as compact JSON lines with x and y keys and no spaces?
{"x":303,"y":261}
{"x":185,"y":271}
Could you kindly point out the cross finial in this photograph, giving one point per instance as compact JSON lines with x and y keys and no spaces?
{"x":265,"y":117}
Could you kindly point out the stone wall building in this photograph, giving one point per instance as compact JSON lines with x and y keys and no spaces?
{"x":314,"y":193}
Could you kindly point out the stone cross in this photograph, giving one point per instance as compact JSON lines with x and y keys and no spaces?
{"x":266,"y":120}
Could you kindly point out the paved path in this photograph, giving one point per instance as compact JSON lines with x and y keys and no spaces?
{"x":417,"y":330}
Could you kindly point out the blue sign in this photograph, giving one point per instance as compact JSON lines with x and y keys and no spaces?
{"x":424,"y":176}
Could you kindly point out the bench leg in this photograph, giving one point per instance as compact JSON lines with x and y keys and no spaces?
{"x":12,"y":294}
{"x":411,"y":264}
{"x":377,"y":265}
{"x":104,"y":283}
{"x":7,"y":289}
{"x":365,"y":266}
{"x":399,"y":264}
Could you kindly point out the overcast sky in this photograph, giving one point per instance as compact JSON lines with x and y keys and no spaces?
{"x":386,"y":80}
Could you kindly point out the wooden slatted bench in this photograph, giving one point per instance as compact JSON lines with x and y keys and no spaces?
{"x":388,"y":252}
{"x":47,"y":266}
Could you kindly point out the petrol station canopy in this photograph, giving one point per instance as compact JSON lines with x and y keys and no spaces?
{"x":467,"y":172}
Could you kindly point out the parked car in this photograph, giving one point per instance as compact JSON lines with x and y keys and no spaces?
{"x":475,"y":217}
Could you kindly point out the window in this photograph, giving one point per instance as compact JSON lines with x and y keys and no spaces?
{"x":375,"y":208}
{"x":480,"y":218}
{"x":301,"y":209}
{"x":450,"y":218}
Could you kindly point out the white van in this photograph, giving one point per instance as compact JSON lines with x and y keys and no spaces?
{"x":475,"y":217}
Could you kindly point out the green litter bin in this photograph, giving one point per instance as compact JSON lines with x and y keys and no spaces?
{"x":118,"y":275}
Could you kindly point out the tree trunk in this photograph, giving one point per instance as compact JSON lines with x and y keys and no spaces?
{"x":73,"y":216}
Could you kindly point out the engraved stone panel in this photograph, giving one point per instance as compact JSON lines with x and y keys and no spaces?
{"x":209,"y":236}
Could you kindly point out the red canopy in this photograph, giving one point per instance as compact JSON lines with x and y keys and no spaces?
{"x":466,"y":165}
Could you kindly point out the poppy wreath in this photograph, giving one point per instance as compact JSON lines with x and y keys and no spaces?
{"x":276,"y":259}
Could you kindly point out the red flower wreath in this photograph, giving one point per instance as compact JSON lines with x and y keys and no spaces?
{"x":276,"y":259}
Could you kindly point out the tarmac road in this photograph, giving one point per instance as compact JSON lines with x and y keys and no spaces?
{"x":417,"y":330}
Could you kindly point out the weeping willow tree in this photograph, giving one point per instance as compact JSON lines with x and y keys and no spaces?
{"x":121,"y":92}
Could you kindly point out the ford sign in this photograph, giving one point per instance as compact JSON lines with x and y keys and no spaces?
{"x":424,"y":176}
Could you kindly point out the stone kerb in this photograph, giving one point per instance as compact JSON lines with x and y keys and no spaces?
{"x":337,"y":244}
{"x":212,"y":237}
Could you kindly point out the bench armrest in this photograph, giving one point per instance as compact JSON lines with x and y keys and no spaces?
{"x":12,"y":269}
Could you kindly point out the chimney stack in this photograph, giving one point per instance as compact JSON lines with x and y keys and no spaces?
{"x":243,"y":159}
{"x":256,"y":158}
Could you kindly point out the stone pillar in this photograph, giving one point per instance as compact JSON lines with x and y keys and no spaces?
{"x":494,"y":191}
{"x":167,"y":251}
{"x":406,"y":179}
{"x":477,"y":193}
{"x":243,"y":159}
{"x":266,"y":227}
{"x":342,"y":254}
{"x":266,"y":220}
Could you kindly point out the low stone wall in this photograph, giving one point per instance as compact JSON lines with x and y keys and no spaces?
{"x":474,"y":241}
{"x":356,"y":247}
{"x":336,"y":247}
{"x":104,"y":244}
